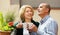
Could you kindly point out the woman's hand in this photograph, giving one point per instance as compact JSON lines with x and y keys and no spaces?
{"x":19,"y":25}
{"x":33,"y":28}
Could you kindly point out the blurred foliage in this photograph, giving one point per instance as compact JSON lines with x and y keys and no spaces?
{"x":3,"y":24}
{"x":10,"y":16}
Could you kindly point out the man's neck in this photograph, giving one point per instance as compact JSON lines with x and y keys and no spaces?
{"x":42,"y":16}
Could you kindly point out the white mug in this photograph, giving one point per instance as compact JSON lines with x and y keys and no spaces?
{"x":30,"y":25}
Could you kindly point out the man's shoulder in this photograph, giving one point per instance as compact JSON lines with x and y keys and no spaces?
{"x":51,"y":21}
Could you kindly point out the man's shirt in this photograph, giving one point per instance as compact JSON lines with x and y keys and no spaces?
{"x":47,"y":26}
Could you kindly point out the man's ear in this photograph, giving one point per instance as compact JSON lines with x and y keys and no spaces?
{"x":47,"y":10}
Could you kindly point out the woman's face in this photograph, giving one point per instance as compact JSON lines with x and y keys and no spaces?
{"x":28,"y":13}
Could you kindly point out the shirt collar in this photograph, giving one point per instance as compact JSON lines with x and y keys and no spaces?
{"x":45,"y":18}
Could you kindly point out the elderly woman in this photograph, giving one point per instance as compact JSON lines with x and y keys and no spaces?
{"x":26,"y":15}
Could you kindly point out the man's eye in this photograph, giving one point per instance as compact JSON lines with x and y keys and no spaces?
{"x":40,"y":7}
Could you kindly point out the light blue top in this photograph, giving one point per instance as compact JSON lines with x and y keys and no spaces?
{"x":47,"y":26}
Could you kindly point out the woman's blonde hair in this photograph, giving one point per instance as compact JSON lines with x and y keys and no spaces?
{"x":22,"y":11}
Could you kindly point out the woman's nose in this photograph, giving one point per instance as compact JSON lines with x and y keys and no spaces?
{"x":30,"y":12}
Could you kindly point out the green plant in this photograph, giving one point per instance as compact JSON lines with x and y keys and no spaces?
{"x":1,"y":20}
{"x":9,"y":17}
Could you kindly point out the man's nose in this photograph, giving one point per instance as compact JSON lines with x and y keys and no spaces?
{"x":38,"y":9}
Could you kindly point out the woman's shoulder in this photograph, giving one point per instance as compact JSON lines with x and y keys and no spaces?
{"x":36,"y":23}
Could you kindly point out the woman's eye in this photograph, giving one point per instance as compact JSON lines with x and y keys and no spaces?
{"x":27,"y":11}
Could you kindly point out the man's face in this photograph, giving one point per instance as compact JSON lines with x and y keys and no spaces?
{"x":42,"y":9}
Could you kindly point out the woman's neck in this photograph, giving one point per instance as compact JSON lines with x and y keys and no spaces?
{"x":27,"y":20}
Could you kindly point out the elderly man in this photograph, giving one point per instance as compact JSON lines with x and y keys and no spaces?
{"x":47,"y":26}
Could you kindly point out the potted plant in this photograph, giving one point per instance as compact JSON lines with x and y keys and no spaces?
{"x":10,"y":17}
{"x":2,"y":25}
{"x":5,"y":29}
